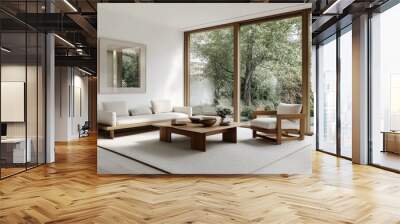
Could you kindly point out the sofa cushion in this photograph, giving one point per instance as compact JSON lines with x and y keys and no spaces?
{"x":284,"y":108}
{"x":140,"y":110}
{"x":270,"y":123}
{"x":150,"y":118}
{"x":161,"y":106}
{"x":119,"y":108}
{"x":106,"y":118}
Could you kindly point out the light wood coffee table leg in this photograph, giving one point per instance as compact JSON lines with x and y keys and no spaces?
{"x":165,"y":134}
{"x":230,"y":135}
{"x":198,"y":142}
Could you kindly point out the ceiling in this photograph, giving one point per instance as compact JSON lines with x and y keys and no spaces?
{"x":76,"y":20}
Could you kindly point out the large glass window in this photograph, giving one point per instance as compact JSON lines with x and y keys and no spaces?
{"x":248,"y":66}
{"x":335,"y":60}
{"x":14,"y":144}
{"x":211,"y":70}
{"x":22,"y":93}
{"x":346,"y":93}
{"x":270,"y":65}
{"x":385,"y":89}
{"x":327,"y":128}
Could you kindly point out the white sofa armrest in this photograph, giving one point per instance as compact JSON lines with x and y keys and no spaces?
{"x":107,"y":118}
{"x":186,"y":110}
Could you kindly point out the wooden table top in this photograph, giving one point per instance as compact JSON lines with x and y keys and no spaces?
{"x":198,"y":128}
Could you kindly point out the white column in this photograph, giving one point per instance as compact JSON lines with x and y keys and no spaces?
{"x":360,"y":90}
{"x":50,"y":100}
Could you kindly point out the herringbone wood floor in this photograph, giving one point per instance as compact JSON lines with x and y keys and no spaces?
{"x":70,"y":191}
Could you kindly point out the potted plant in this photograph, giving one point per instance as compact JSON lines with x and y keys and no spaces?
{"x":223,"y":112}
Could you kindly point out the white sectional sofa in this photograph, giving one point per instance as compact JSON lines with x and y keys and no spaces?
{"x":116,"y":115}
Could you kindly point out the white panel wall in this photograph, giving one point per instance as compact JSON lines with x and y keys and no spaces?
{"x":80,"y":82}
{"x":164,"y":59}
{"x":66,"y":121}
{"x":62,"y":113}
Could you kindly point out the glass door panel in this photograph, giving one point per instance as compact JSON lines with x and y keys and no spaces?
{"x":346,"y":93}
{"x":327,"y":127}
{"x":14,"y":153}
{"x":385,"y":89}
{"x":22,"y":87}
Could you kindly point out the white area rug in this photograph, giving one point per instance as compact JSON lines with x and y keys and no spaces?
{"x":246,"y":157}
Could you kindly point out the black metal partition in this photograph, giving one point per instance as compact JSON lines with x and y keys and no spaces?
{"x":23,"y":89}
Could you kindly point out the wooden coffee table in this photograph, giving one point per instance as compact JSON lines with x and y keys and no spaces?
{"x":197,"y":133}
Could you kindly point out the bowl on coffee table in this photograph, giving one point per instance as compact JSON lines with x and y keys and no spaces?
{"x":208,"y":121}
{"x":196,"y":119}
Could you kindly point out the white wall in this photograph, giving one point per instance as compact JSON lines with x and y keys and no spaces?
{"x":80,"y":82}
{"x":164,"y":59}
{"x":66,"y":121}
{"x":61,"y":104}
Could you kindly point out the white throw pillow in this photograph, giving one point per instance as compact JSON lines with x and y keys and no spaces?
{"x":284,"y":108}
{"x":119,"y":108}
{"x":161,"y":106}
{"x":140,"y":110}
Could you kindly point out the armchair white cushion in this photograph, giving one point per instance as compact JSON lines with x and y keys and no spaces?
{"x":119,"y":108}
{"x":161,"y":106}
{"x":270,"y":123}
{"x":140,"y":110}
{"x":186,"y":110}
{"x":107,"y":118}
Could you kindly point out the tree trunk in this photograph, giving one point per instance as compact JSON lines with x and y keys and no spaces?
{"x":247,"y":86}
{"x":249,"y":71}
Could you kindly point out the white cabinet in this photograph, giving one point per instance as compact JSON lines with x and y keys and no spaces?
{"x":17,"y":146}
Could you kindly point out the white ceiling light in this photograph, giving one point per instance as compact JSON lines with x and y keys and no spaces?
{"x":64,"y":40}
{"x":5,"y":50}
{"x":70,"y":5}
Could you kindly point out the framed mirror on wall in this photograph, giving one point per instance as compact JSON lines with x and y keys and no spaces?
{"x":123,"y":66}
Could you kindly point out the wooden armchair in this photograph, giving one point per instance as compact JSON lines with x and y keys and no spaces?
{"x":288,"y":122}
